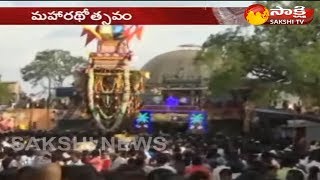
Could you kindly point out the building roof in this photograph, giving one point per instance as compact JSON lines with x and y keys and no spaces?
{"x":179,"y":64}
{"x":278,"y":114}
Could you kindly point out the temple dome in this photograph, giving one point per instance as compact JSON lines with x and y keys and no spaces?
{"x":179,"y":63}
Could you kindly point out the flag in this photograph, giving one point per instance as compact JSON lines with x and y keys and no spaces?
{"x":91,"y":32}
{"x":139,"y":32}
{"x":132,"y":31}
{"x":84,"y":32}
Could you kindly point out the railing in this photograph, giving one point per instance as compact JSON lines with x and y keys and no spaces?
{"x":168,"y":109}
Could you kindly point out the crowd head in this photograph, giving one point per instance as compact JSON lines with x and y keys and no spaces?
{"x":186,"y":157}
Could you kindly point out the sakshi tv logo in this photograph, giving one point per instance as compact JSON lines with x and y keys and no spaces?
{"x":258,"y":14}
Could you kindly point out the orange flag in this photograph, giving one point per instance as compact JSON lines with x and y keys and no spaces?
{"x":132,"y":31}
{"x":139,"y":32}
{"x":129,"y":33}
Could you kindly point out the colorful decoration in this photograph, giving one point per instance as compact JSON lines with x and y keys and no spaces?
{"x":108,"y":32}
{"x":197,"y":118}
{"x":198,"y":121}
{"x":112,"y":90}
{"x":172,"y":101}
{"x":118,"y":31}
{"x":132,"y":31}
{"x":144,"y":121}
{"x":143,"y":118}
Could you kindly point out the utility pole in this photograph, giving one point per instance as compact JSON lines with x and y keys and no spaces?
{"x":48,"y":104}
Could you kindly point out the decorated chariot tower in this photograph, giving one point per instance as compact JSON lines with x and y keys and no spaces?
{"x":113,"y":89}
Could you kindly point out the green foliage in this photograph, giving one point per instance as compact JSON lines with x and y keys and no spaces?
{"x":53,"y":66}
{"x":278,"y":58}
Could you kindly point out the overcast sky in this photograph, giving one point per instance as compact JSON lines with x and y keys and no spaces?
{"x":19,"y":44}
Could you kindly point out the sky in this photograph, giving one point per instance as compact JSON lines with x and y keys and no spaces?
{"x":19,"y":44}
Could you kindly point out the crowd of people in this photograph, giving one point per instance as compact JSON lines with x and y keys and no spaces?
{"x":186,"y":156}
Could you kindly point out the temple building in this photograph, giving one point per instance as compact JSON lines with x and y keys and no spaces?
{"x":178,"y":64}
{"x":177,"y":73}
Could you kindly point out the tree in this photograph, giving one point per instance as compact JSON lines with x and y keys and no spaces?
{"x":50,"y":68}
{"x":278,"y":58}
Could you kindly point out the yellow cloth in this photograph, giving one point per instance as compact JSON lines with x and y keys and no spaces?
{"x":23,"y":127}
{"x":124,"y":137}
{"x":106,"y":32}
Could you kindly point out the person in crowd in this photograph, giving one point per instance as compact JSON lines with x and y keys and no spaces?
{"x":301,"y":144}
{"x":28,"y":158}
{"x":118,"y":159}
{"x":314,"y":173}
{"x":314,"y":145}
{"x":270,"y":159}
{"x":288,"y":162}
{"x":162,"y":173}
{"x":106,"y":160}
{"x":2,"y":157}
{"x":198,"y":175}
{"x":86,"y":157}
{"x":75,"y":159}
{"x":295,"y":174}
{"x":314,"y":160}
{"x":96,"y":160}
{"x":9,"y":169}
{"x":42,"y":158}
{"x":222,"y":173}
{"x":178,"y":163}
{"x":194,"y":157}
{"x":140,"y":163}
{"x":234,"y":161}
{"x":197,"y":165}
{"x":163,"y":162}
{"x":57,"y":157}
{"x":213,"y":158}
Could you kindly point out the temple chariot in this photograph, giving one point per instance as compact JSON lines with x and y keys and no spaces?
{"x":110,"y":87}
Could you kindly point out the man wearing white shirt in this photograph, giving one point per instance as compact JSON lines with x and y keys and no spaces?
{"x":313,"y":163}
{"x":42,"y":159}
{"x":118,"y":160}
{"x":75,"y":159}
{"x":26,"y":160}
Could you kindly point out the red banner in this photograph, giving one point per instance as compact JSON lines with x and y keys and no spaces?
{"x":114,"y":16}
{"x":299,"y":15}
